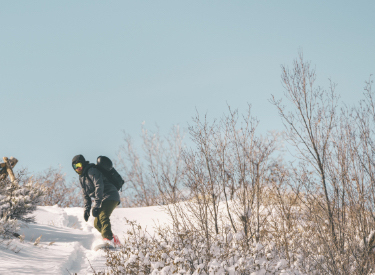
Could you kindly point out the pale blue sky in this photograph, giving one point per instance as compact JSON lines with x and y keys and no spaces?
{"x":75,"y":74}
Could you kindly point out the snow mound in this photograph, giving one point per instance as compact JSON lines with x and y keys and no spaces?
{"x":65,"y":240}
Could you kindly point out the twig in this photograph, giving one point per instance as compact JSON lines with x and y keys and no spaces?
{"x":93,"y":270}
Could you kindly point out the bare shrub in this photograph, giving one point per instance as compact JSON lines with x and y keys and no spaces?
{"x":153,"y":176}
{"x":225,"y":178}
{"x":331,"y":173}
{"x":57,"y":191}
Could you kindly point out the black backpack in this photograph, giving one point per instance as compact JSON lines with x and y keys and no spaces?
{"x":105,"y":166}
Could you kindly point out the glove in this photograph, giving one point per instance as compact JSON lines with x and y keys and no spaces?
{"x":86,"y":215}
{"x":95,"y":212}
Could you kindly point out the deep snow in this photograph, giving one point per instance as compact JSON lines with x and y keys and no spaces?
{"x":66,"y":240}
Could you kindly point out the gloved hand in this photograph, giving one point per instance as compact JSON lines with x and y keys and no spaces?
{"x":86,"y":215}
{"x":95,"y":212}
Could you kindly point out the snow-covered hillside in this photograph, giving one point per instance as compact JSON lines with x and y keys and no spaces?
{"x":66,"y":240}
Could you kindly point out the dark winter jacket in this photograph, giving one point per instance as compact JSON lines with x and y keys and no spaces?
{"x":95,"y":185}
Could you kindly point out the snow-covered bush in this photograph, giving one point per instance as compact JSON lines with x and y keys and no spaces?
{"x":290,"y":240}
{"x":18,"y":200}
{"x":7,"y":227}
{"x":172,"y":252}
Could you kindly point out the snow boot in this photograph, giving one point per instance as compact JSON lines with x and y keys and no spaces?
{"x":116,"y":240}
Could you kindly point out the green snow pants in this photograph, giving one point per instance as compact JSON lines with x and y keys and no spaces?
{"x":102,"y":222}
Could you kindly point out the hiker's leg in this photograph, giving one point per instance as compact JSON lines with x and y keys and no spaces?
{"x":104,"y":214}
{"x":98,"y":225}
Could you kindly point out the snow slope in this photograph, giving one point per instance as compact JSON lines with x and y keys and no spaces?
{"x":66,"y":240}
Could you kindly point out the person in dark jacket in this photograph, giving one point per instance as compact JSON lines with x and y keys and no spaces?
{"x":103,"y":193}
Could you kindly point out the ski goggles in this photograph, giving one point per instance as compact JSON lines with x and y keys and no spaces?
{"x":77,"y":165}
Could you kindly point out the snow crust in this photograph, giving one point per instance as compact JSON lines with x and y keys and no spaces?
{"x":67,"y":240}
